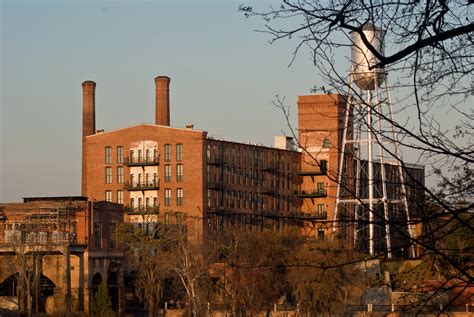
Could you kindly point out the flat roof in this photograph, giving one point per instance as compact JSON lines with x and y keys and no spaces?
{"x":54,"y":198}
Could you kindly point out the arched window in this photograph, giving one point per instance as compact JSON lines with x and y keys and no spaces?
{"x":132,"y":203}
{"x":140,"y":203}
{"x":139,"y":155}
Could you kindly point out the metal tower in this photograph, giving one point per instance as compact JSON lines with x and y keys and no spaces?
{"x":371,"y":192}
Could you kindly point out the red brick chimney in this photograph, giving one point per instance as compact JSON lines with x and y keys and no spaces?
{"x":88,"y":125}
{"x":162,"y":101}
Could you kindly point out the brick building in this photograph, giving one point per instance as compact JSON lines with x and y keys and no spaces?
{"x":67,"y":245}
{"x":182,"y":172}
{"x":320,"y":127}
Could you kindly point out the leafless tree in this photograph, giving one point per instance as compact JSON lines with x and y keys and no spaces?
{"x":143,"y":250}
{"x":26,"y":261}
{"x":157,"y":251}
{"x":429,"y":54}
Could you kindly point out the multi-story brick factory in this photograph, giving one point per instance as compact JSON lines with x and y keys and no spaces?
{"x":181,"y":171}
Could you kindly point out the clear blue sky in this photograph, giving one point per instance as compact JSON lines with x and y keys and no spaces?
{"x":224,"y":77}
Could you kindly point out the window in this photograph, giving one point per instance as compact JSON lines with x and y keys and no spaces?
{"x":132,"y":156}
{"x":179,"y":172}
{"x":120,"y":196}
{"x":167,"y":152}
{"x":119,"y":154}
{"x":108,"y":195}
{"x":147,"y":203}
{"x":132,"y":203}
{"x":179,"y":197}
{"x":320,"y":209}
{"x":326,"y":143}
{"x":167,"y":173}
{"x":179,"y":218}
{"x":108,"y":155}
{"x":323,"y":165}
{"x":140,"y":156}
{"x":147,"y":155}
{"x":140,"y":203}
{"x":120,"y":174}
{"x":155,"y":202}
{"x":320,"y":188}
{"x":108,"y":175}
{"x":155,"y":155}
{"x":179,"y":152}
{"x":98,"y":235}
{"x":155,"y":179}
{"x":167,"y":197}
{"x":320,"y":234}
{"x":113,"y":236}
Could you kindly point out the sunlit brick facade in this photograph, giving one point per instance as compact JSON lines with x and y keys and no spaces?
{"x":185,"y":174}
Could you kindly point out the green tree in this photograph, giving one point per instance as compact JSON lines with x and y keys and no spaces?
{"x":102,"y":304}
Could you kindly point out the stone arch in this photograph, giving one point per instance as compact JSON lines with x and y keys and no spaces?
{"x":97,"y":280}
{"x":53,"y":268}
{"x":10,"y":288}
{"x":9,"y":285}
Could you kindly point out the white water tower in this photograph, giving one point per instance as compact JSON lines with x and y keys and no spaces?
{"x":363,"y":73}
{"x":370,"y":164}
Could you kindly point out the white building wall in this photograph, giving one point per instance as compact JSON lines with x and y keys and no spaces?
{"x":140,"y":172}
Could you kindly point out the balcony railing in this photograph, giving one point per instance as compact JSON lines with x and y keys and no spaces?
{"x":269,"y":190}
{"x":141,"y":186}
{"x":215,"y":161}
{"x":141,"y":161}
{"x":321,"y":215}
{"x":313,"y":172}
{"x":22,"y":237}
{"x":217,"y":209}
{"x":142,"y":209}
{"x":312,"y":193}
{"x":215,"y":185}
{"x":270,"y":167}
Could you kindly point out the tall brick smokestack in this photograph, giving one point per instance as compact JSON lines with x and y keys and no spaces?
{"x":88,"y":125}
{"x":162,"y":101}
